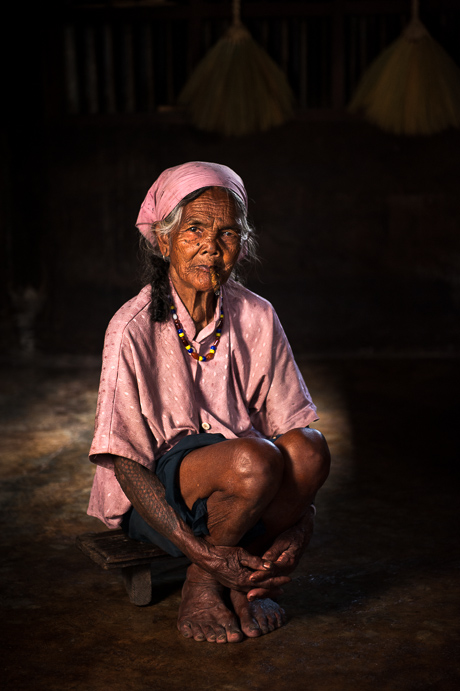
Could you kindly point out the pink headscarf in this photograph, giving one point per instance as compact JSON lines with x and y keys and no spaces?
{"x":175,"y":183}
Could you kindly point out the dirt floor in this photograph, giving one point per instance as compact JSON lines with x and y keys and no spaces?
{"x":373,"y":605}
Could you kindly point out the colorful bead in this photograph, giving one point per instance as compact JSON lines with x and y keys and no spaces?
{"x":188,"y":346}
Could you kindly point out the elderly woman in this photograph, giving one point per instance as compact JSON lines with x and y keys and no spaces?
{"x":202,"y":442}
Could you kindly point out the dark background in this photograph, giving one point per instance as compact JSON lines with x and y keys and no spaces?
{"x":358,"y":228}
{"x":360,"y":255}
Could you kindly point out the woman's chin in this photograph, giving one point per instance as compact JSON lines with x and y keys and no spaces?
{"x":199,"y":286}
{"x":203,"y":283}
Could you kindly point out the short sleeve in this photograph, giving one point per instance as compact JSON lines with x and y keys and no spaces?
{"x":287,"y":403}
{"x":121,"y":429}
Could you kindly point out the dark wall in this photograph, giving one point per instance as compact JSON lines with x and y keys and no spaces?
{"x":358,"y":230}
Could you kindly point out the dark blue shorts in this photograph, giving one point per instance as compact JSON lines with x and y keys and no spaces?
{"x":167,"y":472}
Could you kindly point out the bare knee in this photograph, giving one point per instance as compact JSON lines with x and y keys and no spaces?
{"x":307,"y":455}
{"x":257,"y":467}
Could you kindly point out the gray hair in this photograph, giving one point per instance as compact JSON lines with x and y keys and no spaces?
{"x":169,"y":225}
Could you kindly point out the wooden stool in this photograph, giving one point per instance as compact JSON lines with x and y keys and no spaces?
{"x":113,"y":549}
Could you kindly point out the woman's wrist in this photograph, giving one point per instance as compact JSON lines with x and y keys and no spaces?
{"x":200,"y":552}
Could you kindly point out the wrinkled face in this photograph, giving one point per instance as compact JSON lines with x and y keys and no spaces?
{"x":208,"y":237}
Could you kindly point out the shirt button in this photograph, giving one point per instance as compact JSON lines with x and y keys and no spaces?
{"x":206,"y":425}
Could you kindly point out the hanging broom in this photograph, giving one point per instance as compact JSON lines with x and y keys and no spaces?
{"x":237,"y":89}
{"x":413,"y":87}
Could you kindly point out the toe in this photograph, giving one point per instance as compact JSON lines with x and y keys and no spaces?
{"x":249,"y":623}
{"x":276,"y":617}
{"x":252,"y":628}
{"x":185,"y":628}
{"x":264,"y":625}
{"x":210,"y":634}
{"x":280,"y":617}
{"x":198,"y":634}
{"x":234,"y":635}
{"x":272,"y":623}
{"x":272,"y":619}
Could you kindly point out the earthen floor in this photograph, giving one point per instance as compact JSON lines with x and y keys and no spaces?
{"x":373,"y":604}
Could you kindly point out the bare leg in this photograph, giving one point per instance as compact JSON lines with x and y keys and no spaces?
{"x":239,"y":484}
{"x":248,"y":480}
{"x":306,"y":463}
{"x":306,"y":467}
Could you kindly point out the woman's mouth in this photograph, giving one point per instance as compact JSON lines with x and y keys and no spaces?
{"x":208,"y":268}
{"x":214,"y":274}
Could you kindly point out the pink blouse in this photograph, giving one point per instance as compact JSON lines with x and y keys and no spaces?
{"x":152,"y":393}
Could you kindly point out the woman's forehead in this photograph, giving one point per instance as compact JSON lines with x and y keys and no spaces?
{"x":214,"y":203}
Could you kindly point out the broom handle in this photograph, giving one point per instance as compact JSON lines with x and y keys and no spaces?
{"x":236,"y":11}
{"x":415,"y":30}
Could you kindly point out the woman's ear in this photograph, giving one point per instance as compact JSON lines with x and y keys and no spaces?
{"x":163,"y":243}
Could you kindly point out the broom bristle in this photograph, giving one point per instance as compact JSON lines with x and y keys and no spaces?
{"x":237,"y":89}
{"x":412,"y":88}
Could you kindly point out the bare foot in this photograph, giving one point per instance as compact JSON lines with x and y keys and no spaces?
{"x":202,"y":613}
{"x":259,"y":616}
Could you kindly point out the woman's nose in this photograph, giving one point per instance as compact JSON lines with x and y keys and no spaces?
{"x":209,"y":244}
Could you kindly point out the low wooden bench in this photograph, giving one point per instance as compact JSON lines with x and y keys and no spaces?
{"x":113,"y":549}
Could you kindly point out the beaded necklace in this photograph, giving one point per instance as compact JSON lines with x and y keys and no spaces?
{"x":188,"y":346}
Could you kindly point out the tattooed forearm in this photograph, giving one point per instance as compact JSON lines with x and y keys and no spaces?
{"x":147,"y":495}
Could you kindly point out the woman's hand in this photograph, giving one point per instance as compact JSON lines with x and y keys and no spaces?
{"x":232,"y":566}
{"x":285,"y":553}
{"x":235,"y":568}
{"x":262,"y":576}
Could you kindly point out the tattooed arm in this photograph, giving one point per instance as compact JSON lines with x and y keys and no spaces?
{"x":232,"y":566}
{"x":147,"y":494}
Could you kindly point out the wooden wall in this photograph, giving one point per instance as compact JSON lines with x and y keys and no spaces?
{"x":358,"y":229}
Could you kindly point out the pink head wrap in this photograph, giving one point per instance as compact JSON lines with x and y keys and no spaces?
{"x":175,"y":183}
